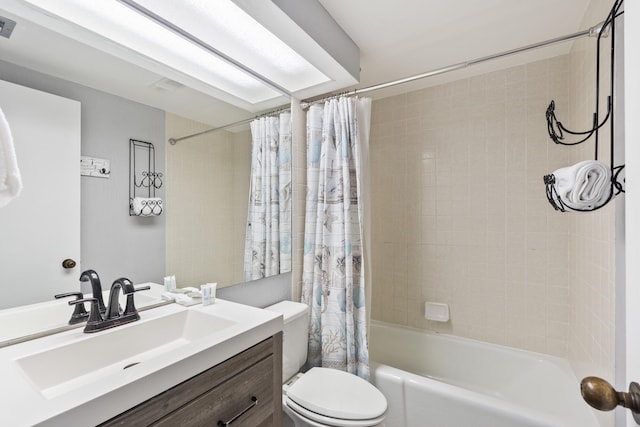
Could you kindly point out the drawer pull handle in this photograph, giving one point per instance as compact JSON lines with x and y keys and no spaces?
{"x":254,"y":402}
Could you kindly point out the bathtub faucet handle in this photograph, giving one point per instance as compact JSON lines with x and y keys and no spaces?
{"x":602,"y":396}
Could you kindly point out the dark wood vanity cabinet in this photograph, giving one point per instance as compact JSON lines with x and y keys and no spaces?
{"x":249,"y":384}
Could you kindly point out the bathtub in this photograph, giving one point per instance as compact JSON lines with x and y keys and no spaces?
{"x":438,"y":380}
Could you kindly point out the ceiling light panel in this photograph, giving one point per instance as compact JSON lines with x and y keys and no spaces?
{"x":124,"y":26}
{"x":282,"y":47}
{"x":229,"y":29}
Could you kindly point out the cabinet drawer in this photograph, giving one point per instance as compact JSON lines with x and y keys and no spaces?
{"x":229,"y":399}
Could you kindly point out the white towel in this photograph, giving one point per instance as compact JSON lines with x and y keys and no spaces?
{"x":585,"y":185}
{"x":147,"y":206}
{"x":10,"y":179}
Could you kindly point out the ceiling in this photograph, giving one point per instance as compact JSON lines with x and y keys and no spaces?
{"x":396,"y":40}
{"x":409,"y":37}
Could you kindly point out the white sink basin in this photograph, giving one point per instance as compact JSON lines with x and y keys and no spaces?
{"x":60,"y":369}
{"x":73,"y":378}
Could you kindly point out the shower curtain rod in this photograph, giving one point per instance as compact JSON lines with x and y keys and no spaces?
{"x":173,"y":141}
{"x":591,"y":32}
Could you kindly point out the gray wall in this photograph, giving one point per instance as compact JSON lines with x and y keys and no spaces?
{"x":112,"y":243}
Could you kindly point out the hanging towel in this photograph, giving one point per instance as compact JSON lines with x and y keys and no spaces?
{"x":10,"y":180}
{"x":585,"y":185}
{"x":146,"y":206}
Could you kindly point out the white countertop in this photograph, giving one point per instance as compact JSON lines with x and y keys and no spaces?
{"x":93,"y":402}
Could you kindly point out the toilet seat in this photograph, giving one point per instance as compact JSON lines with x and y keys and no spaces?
{"x":329,"y":421}
{"x":336,"y":398}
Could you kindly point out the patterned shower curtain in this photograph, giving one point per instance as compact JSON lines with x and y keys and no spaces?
{"x":268,"y":237}
{"x":333,"y":274}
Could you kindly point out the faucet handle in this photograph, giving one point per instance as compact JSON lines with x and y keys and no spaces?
{"x":130,"y":308}
{"x":94,"y":316}
{"x":79,"y":313}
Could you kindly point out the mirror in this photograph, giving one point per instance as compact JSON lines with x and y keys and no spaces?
{"x":206,"y":236}
{"x":208,"y":190}
{"x":112,"y":242}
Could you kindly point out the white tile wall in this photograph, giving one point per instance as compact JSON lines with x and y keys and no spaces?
{"x":459,"y":210}
{"x":460,"y":215}
{"x":456,"y":219}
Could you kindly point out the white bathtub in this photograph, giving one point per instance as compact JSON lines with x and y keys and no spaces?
{"x":438,"y":380}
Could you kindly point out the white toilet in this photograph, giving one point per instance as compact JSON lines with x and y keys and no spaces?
{"x":322,"y":397}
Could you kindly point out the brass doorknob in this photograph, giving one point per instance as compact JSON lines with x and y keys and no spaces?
{"x":601,"y":395}
{"x":68,"y":263}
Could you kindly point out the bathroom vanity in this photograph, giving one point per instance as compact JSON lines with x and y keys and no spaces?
{"x":177,"y":365}
{"x":244,"y":388}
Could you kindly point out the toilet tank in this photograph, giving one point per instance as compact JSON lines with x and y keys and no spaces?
{"x":295,"y":336}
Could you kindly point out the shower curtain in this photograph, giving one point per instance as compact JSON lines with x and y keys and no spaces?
{"x":268,"y":236}
{"x":333,"y":273}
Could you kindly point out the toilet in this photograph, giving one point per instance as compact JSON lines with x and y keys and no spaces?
{"x":322,"y":397}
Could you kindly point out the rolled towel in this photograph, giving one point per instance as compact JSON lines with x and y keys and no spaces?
{"x":585,"y":185}
{"x":10,"y":179}
{"x":146,"y":206}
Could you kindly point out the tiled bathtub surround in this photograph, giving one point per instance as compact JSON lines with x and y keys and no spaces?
{"x":460,"y":214}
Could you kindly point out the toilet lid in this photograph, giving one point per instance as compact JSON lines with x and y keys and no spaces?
{"x":337,"y":394}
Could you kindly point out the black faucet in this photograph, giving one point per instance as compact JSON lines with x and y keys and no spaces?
{"x":113,"y":316}
{"x":96,"y":287}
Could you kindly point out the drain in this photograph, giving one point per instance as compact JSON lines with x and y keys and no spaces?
{"x":130,"y":365}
